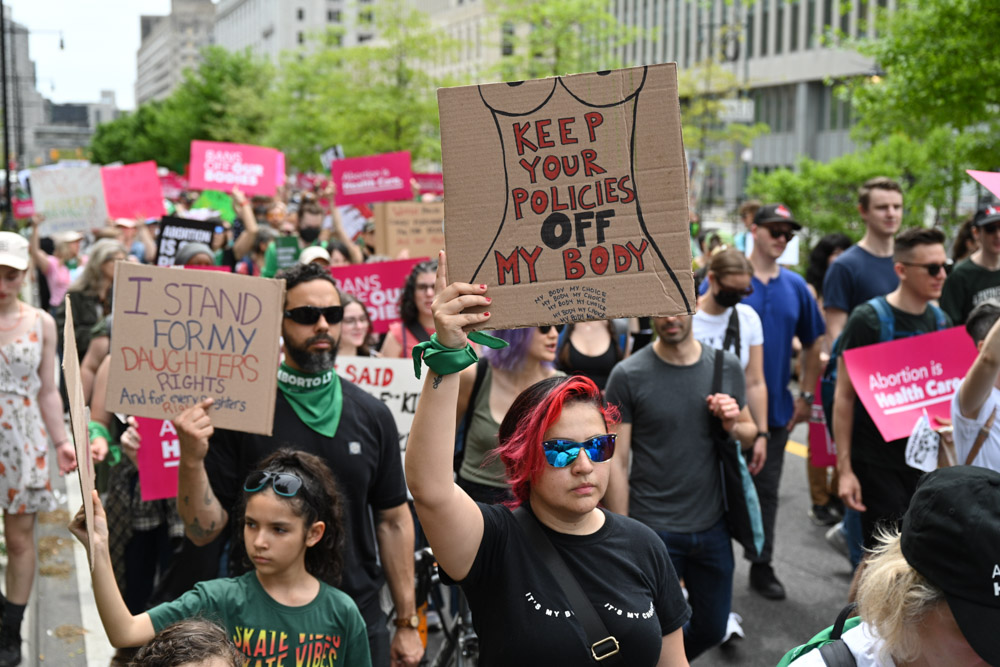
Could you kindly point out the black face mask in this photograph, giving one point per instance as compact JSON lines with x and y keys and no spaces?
{"x":309,"y":234}
{"x":728,"y":298}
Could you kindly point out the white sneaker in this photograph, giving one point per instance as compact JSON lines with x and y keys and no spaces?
{"x":734,"y":628}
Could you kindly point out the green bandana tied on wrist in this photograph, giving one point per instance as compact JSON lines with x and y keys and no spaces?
{"x":446,"y":360}
{"x":315,"y":397}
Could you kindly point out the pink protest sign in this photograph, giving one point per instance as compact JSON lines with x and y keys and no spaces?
{"x":988,"y":179}
{"x":172,"y":185}
{"x":133,"y":191}
{"x":430,"y":184}
{"x":158,"y":458}
{"x":23,"y":208}
{"x":897,"y":381}
{"x":220,"y":166}
{"x":279,"y":168}
{"x":378,"y":285}
{"x":822,"y":450}
{"x":374,"y":178}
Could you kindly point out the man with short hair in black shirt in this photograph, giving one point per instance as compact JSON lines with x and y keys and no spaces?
{"x":352,"y":432}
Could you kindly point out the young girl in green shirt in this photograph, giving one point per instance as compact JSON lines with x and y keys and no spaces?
{"x":284,"y":611}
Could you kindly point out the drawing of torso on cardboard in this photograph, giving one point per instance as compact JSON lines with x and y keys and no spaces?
{"x":583,"y":183}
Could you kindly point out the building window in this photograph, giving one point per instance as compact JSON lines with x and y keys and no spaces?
{"x":677,"y":29}
{"x":845,"y":19}
{"x":779,"y":29}
{"x":827,"y":16}
{"x":301,"y":37}
{"x":366,"y":16}
{"x":810,"y":24}
{"x":863,"y":18}
{"x":364,"y":38}
{"x":333,"y":16}
{"x":711,"y":30}
{"x":751,"y":21}
{"x":507,"y":46}
{"x":793,"y":33}
{"x":300,"y":14}
{"x":764,"y":31}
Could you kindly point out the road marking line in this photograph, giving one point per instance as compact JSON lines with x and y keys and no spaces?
{"x":797,"y":448}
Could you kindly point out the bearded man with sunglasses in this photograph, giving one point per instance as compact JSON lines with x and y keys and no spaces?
{"x":352,"y":432}
{"x":664,"y":394}
{"x":874,"y":477}
{"x":977,"y":279}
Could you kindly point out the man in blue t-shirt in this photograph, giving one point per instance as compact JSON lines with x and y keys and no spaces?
{"x":787,"y":309}
{"x":865,"y":270}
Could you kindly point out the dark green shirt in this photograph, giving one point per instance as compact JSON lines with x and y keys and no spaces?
{"x":968,"y":286}
{"x":863,"y":328}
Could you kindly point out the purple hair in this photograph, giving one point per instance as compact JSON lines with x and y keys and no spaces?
{"x":512,"y":357}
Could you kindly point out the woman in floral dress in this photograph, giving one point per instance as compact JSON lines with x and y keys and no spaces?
{"x":30,"y":412}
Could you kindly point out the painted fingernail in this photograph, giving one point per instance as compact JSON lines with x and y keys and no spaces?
{"x":486,"y":314}
{"x":488,"y":300}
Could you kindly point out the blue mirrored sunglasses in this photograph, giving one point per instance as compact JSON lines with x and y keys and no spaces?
{"x":561,"y":453}
{"x":284,"y":483}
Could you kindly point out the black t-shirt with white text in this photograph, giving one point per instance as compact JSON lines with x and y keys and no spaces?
{"x":366,"y":464}
{"x":523,"y":617}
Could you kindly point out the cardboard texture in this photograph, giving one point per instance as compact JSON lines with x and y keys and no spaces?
{"x":220,"y":166}
{"x":71,"y":199}
{"x":411,"y":226}
{"x":175,"y":233}
{"x":158,"y":458}
{"x":558,"y":187}
{"x":899,"y":381}
{"x":373,"y":178}
{"x":183,"y":336}
{"x":389,"y":380}
{"x":79,"y":417}
{"x":133,"y":191}
{"x":378,"y":285}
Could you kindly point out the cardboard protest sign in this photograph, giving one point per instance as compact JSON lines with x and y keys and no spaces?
{"x":411,"y":226}
{"x":389,"y":380}
{"x":175,"y":233}
{"x":384,"y":177}
{"x":158,"y":458}
{"x":558,"y":187}
{"x":70,"y":199}
{"x":286,"y":249}
{"x":79,"y":417}
{"x":219,"y":166}
{"x":896,"y":381}
{"x":988,"y":179}
{"x":133,"y":191}
{"x":23,"y":208}
{"x":430,"y":184}
{"x":378,"y":285}
{"x":183,"y":336}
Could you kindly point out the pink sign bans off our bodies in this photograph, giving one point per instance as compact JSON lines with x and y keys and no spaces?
{"x":221,"y":166}
{"x":378,"y":285}
{"x":897,"y":381}
{"x":374,"y":178}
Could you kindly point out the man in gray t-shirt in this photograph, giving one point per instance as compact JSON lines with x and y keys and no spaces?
{"x":664,"y":393}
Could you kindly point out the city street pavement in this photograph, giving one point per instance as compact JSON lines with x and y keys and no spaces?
{"x":62,"y":626}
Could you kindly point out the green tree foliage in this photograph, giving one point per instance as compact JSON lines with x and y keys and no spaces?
{"x":555,"y":37}
{"x":375,"y":97}
{"x":222,"y":100}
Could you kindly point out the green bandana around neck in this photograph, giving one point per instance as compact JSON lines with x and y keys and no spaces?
{"x":315,"y":397}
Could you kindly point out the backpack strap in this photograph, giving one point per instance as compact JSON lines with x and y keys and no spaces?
{"x":887,"y":321}
{"x":837,"y":654}
{"x":838,"y":625}
{"x":940,"y":319}
{"x":470,"y":408}
{"x":717,"y":372}
{"x":984,"y":433}
{"x":733,"y":333}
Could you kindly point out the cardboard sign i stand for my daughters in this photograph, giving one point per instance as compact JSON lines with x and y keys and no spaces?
{"x":557,"y":188}
{"x":183,"y":336}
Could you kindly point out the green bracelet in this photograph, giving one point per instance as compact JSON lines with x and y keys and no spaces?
{"x":114,"y":456}
{"x":447,"y":360}
{"x":98,"y":430}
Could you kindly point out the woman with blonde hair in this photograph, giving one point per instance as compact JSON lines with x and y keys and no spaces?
{"x":928,"y":594}
{"x":90,"y":294}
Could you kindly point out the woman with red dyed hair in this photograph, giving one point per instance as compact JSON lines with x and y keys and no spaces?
{"x":555,"y":445}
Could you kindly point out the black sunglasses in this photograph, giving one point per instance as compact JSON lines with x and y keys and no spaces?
{"x":548,"y":327}
{"x":990,"y":228}
{"x":310,"y":314}
{"x":932,"y":269}
{"x":778,"y":233}
{"x":284,"y":483}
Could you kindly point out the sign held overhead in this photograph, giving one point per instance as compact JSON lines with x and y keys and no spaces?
{"x":561,"y":190}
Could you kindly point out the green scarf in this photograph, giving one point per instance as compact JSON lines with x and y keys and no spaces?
{"x":315,"y":397}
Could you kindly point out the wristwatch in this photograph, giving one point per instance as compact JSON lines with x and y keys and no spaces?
{"x":807,"y":396}
{"x":762,"y":434}
{"x":408,"y":622}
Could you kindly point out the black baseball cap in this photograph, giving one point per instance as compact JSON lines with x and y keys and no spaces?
{"x":951,"y":536}
{"x":986,"y":215}
{"x":775,"y":213}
